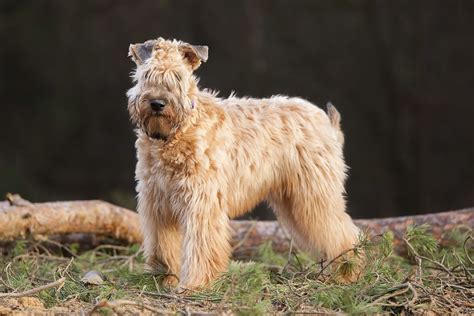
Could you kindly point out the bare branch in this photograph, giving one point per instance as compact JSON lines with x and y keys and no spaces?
{"x":56,"y":283}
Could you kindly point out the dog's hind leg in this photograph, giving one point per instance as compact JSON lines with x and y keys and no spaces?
{"x":316,"y":227}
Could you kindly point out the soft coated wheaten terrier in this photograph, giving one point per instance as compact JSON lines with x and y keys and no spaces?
{"x":204,"y":159}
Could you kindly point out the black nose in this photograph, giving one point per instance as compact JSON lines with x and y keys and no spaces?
{"x":157,"y":105}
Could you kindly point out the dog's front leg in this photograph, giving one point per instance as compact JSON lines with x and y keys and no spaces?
{"x":161,"y":240}
{"x":206,"y":247}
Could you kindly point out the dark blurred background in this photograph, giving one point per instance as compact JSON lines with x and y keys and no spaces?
{"x":400,"y":72}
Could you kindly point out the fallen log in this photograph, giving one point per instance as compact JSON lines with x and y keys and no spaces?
{"x":56,"y":218}
{"x":254,"y":234}
{"x":104,"y":219}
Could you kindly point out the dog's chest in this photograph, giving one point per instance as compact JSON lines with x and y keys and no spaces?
{"x":159,"y":182}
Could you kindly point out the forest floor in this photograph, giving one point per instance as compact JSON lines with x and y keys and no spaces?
{"x":430,"y":278}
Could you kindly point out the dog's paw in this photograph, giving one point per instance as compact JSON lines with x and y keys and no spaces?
{"x":348,"y":268}
{"x":170,"y":281}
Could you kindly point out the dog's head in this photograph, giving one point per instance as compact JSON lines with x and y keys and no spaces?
{"x":165,"y":87}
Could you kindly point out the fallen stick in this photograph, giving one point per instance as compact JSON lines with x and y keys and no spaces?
{"x":56,"y":283}
{"x":101,"y":218}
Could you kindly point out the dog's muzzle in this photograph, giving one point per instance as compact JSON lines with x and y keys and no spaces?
{"x":157,"y":105}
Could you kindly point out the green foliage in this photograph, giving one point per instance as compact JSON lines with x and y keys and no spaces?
{"x":265,"y":254}
{"x":343,"y":298}
{"x":243,"y":287}
{"x":386,"y":245}
{"x":423,"y":242}
{"x":74,"y":247}
{"x":20,"y":247}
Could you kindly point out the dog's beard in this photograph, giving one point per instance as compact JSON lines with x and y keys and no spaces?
{"x":157,"y":127}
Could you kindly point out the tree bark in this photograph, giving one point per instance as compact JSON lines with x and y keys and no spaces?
{"x":104,"y":219}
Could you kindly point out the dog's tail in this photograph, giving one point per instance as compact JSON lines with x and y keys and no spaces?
{"x":335,"y":119}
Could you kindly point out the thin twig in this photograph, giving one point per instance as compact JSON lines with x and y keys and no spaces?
{"x":6,"y":272}
{"x":40,"y":256}
{"x":65,"y":270}
{"x":58,"y":282}
{"x":427,"y":259}
{"x":415,"y":295}
{"x":390,"y":295}
{"x":333,"y":260}
{"x":113,"y":247}
{"x":59,"y":245}
{"x":469,"y":237}
{"x":168,"y":296}
{"x":6,"y":285}
{"x":289,"y":256}
{"x":226,"y":296}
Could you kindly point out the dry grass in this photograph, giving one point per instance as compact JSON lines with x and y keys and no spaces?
{"x":431,"y":278}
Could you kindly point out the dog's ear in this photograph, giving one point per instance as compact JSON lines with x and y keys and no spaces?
{"x":195,"y":54}
{"x":141,"y":52}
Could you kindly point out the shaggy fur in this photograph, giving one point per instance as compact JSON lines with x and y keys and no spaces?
{"x":204,"y":159}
